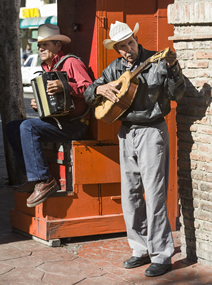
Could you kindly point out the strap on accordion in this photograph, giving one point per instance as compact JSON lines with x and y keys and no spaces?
{"x":66,"y":90}
{"x":64,"y":58}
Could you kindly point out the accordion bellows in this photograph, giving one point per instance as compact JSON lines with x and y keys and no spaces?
{"x":59,"y":104}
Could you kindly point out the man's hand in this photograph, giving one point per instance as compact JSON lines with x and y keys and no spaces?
{"x":108,"y":91}
{"x":54,"y":86}
{"x":34,"y":105}
{"x":171,"y":58}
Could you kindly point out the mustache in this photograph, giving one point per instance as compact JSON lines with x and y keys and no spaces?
{"x":129,"y":54}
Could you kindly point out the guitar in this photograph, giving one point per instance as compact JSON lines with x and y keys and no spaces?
{"x":127,"y":84}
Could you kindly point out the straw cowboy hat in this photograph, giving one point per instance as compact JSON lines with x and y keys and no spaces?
{"x":49,"y":32}
{"x":119,"y":32}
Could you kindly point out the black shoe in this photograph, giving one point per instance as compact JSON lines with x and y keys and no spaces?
{"x":136,"y":261}
{"x":156,"y":269}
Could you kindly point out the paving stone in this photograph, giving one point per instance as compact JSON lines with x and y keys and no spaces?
{"x":54,"y":279}
{"x":77,"y":267}
{"x":4,"y":268}
{"x":106,"y":280}
{"x":18,"y":275}
{"x":11,"y":253}
{"x":30,"y":244}
{"x":26,"y":261}
{"x":54,"y":255}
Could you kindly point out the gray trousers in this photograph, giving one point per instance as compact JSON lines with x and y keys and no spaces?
{"x":144,"y":160}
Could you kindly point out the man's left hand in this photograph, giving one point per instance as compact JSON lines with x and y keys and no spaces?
{"x":171,"y":58}
{"x":54,"y":86}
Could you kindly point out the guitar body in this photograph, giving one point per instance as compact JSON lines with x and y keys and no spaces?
{"x":108,"y":111}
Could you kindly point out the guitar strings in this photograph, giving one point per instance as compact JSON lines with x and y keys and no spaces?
{"x":157,"y":64}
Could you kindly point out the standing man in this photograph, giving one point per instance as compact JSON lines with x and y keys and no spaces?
{"x":26,"y":53}
{"x":144,"y":145}
{"x":26,"y":137}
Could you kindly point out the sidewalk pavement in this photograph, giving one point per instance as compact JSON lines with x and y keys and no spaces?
{"x":95,"y":260}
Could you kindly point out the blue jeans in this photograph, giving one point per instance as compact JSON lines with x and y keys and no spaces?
{"x":26,"y":138}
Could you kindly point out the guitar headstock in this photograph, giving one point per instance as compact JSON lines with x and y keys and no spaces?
{"x":160,"y":55}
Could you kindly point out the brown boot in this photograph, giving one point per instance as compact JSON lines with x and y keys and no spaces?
{"x":27,"y":187}
{"x":42,"y":191}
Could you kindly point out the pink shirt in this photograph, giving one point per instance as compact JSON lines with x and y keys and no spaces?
{"x":78,"y":81}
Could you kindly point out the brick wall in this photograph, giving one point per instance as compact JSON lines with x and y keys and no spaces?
{"x":192,"y":39}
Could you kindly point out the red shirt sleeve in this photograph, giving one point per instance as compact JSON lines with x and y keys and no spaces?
{"x":78,"y":76}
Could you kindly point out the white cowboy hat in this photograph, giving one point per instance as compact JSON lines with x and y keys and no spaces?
{"x":49,"y":32}
{"x":119,"y":32}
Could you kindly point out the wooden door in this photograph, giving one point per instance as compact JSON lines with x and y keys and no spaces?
{"x":153,"y":34}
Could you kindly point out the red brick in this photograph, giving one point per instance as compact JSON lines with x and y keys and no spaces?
{"x":203,"y":73}
{"x":205,"y":196}
{"x":202,"y":215}
{"x":186,"y":55}
{"x":206,"y":206}
{"x":196,"y":175}
{"x":205,"y":148}
{"x":205,"y":130}
{"x":199,"y":157}
{"x":189,"y":73}
{"x":203,"y":54}
{"x":206,"y":167}
{"x":208,"y":177}
{"x":197,"y":64}
{"x":206,"y":187}
{"x":202,"y":139}
{"x":207,"y":226}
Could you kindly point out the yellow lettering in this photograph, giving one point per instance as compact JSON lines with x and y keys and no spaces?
{"x":25,"y":13}
{"x":36,"y":12}
{"x":30,"y":13}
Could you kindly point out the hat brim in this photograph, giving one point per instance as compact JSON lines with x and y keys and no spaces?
{"x":108,"y":44}
{"x":62,"y":38}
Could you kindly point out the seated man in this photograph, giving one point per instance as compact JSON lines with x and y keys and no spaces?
{"x":26,"y":137}
{"x":143,"y":144}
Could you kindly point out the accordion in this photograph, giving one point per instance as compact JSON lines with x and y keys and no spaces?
{"x":59,"y":104}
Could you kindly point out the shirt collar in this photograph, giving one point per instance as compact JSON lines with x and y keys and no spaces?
{"x":55,"y":59}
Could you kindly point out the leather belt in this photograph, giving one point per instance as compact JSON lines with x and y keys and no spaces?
{"x":145,"y":124}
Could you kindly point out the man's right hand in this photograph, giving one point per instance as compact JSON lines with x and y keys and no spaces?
{"x":34,"y":104}
{"x":108,"y":91}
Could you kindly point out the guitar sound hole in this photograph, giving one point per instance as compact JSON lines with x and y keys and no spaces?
{"x":119,"y":86}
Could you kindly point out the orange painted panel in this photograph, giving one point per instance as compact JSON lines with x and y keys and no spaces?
{"x":86,"y":226}
{"x":96,"y":164}
{"x":28,"y":224}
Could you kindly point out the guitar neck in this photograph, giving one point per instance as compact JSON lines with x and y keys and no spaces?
{"x":140,"y":68}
